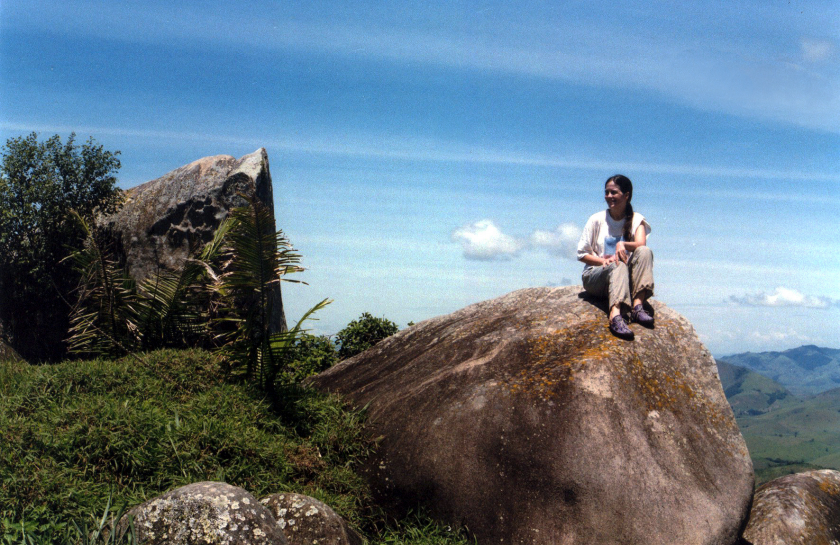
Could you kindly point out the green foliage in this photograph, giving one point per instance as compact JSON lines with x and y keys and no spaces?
{"x":40,"y":182}
{"x":361,"y":334}
{"x":175,"y":307}
{"x":84,"y":440}
{"x":104,"y":319}
{"x":225,"y":296}
{"x":256,"y":258}
{"x":309,"y":356}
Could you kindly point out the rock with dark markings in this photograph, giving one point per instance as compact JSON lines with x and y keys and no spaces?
{"x":525,"y":420}
{"x":162,"y":220}
{"x":799,"y":509}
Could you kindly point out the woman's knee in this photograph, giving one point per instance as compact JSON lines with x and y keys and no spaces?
{"x":619,"y":267}
{"x":644,"y":251}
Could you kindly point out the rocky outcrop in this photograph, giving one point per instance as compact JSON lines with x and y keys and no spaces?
{"x":525,"y":420}
{"x":305,"y":520}
{"x":206,"y":512}
{"x":7,"y":353}
{"x":215,"y":512}
{"x":162,"y":220}
{"x":800,"y":509}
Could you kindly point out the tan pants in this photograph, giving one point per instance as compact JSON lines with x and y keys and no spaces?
{"x":622,"y":282}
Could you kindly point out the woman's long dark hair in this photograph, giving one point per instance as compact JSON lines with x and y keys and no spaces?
{"x":626,"y":186}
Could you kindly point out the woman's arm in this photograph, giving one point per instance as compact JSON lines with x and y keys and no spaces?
{"x":639,"y":239}
{"x":594,"y":260}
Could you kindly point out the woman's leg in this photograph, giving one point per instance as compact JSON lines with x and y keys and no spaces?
{"x":612,"y":282}
{"x":641,"y":274}
{"x":641,"y":279}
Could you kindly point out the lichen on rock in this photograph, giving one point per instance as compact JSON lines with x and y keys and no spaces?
{"x":206,"y":512}
{"x":307,"y":521}
{"x":798,"y":509}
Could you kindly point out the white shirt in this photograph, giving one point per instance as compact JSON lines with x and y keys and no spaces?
{"x":602,"y":233}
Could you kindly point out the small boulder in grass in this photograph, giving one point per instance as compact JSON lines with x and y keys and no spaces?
{"x":305,"y":521}
{"x":798,"y":509}
{"x":205,"y":512}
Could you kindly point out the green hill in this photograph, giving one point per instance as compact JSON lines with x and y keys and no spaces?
{"x":751,"y":394}
{"x":804,"y":371}
{"x":784,"y":433}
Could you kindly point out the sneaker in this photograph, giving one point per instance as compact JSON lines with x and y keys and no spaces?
{"x":619,"y":328}
{"x":640,"y":316}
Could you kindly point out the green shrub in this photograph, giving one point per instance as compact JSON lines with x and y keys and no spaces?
{"x":309,"y":356}
{"x":40,"y":182}
{"x":361,"y":334}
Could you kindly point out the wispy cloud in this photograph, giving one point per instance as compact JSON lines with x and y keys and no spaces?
{"x":784,"y":297}
{"x":484,"y":241}
{"x":743,"y":77}
{"x":411,"y":148}
{"x":780,"y":336}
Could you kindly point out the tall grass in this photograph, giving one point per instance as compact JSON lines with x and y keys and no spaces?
{"x":82,"y":439}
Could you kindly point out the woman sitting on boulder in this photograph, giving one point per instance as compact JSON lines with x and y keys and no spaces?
{"x":619,"y":265}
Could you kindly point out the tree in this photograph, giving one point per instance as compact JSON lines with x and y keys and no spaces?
{"x":40,"y":183}
{"x":361,"y":334}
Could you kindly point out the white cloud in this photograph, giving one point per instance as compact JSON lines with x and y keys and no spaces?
{"x":816,"y":50}
{"x":561,"y":242}
{"x":783,"y":297}
{"x":777,"y":336}
{"x":484,"y":241}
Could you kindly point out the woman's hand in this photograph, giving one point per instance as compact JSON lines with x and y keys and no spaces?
{"x":609,"y":260}
{"x":621,"y":251}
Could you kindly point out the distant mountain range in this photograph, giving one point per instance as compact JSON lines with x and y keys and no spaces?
{"x":804,"y":371}
{"x":786,"y":432}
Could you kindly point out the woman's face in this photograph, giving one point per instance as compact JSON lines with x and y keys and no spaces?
{"x":616,"y":200}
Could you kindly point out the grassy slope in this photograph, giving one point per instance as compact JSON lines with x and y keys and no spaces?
{"x":74,"y":432}
{"x":785,"y":434}
{"x":795,"y":438}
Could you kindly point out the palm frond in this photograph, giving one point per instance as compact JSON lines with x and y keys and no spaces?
{"x":104,"y":318}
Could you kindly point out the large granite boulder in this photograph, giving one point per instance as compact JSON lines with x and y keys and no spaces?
{"x":205,"y":512}
{"x":162,"y":220}
{"x":305,"y":520}
{"x":525,"y":420}
{"x":800,"y":509}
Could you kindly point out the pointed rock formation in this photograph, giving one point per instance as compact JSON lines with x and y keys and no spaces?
{"x":163,"y":219}
{"x":525,"y":420}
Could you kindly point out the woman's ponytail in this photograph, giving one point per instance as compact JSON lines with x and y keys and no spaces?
{"x":628,"y":223}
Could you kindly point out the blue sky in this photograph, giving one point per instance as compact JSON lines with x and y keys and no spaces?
{"x":428,"y":156}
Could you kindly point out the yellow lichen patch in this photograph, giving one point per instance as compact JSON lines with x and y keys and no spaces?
{"x":553,"y":358}
{"x":669,"y":389}
{"x":828,"y":485}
